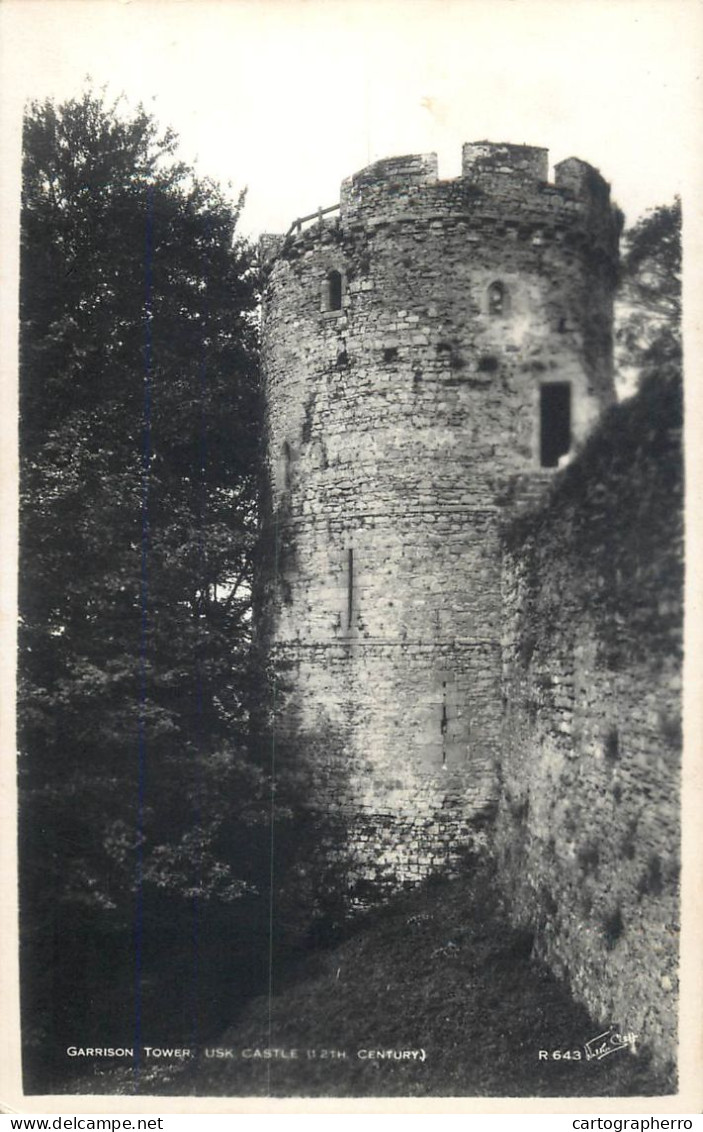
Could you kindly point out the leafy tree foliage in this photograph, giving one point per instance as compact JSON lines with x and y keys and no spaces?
{"x":139,"y":432}
{"x":650,"y":292}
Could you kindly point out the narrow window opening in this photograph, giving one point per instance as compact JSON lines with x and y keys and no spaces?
{"x":443,"y":723}
{"x":350,"y":587}
{"x":555,"y":422}
{"x":497,"y":299}
{"x":334,"y":291}
{"x":286,"y":460}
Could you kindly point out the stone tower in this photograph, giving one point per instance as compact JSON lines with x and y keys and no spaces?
{"x":432,"y":350}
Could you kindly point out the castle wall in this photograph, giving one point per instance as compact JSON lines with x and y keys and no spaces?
{"x":397,"y":425}
{"x":588,"y":823}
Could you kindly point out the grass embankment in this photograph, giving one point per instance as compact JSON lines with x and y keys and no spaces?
{"x":437,"y":970}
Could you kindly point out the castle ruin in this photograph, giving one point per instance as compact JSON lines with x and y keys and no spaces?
{"x":434,"y":352}
{"x":430,"y":349}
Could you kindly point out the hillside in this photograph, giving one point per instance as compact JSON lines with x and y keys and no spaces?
{"x":438,"y":974}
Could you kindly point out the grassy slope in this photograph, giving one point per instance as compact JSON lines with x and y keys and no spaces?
{"x":437,"y":970}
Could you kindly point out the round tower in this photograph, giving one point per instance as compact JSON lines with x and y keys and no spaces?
{"x":431,"y":348}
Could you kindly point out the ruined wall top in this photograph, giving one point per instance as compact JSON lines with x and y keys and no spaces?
{"x":494,"y":170}
{"x":499,"y":182}
{"x":491,"y":158}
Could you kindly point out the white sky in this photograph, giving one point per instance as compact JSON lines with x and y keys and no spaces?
{"x":289,"y":96}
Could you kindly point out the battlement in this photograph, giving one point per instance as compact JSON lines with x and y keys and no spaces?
{"x":391,"y":173}
{"x":497,"y":172}
{"x":491,"y":159}
{"x":502,"y":185}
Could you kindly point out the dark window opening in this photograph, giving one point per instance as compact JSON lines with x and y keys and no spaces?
{"x":350,"y":587}
{"x":497,"y":299}
{"x":334,"y":291}
{"x":555,"y":423}
{"x":443,"y":723}
{"x":287,"y":460}
{"x":390,"y":353}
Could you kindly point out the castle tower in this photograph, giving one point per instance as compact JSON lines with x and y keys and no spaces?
{"x":431,"y":348}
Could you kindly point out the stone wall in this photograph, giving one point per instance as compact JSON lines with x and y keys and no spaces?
{"x":588,"y":824}
{"x":402,"y":409}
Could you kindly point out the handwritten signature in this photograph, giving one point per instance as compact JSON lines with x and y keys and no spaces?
{"x":608,"y":1042}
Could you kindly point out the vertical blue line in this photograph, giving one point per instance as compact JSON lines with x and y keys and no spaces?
{"x":144,"y":595}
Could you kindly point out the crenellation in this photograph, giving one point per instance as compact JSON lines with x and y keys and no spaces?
{"x":487,"y":158}
{"x":502,"y":188}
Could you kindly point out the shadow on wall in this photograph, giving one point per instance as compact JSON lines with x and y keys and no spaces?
{"x":308,"y":862}
{"x":332,"y":859}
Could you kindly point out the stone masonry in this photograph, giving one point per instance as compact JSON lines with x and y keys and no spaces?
{"x":432,"y":350}
{"x":587,"y":833}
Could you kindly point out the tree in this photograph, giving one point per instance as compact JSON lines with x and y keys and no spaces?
{"x":139,"y":430}
{"x":650,"y":291}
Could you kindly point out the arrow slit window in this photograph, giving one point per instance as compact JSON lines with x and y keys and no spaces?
{"x":332,"y":291}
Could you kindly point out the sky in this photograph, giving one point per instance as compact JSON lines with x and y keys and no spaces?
{"x":287,"y":97}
